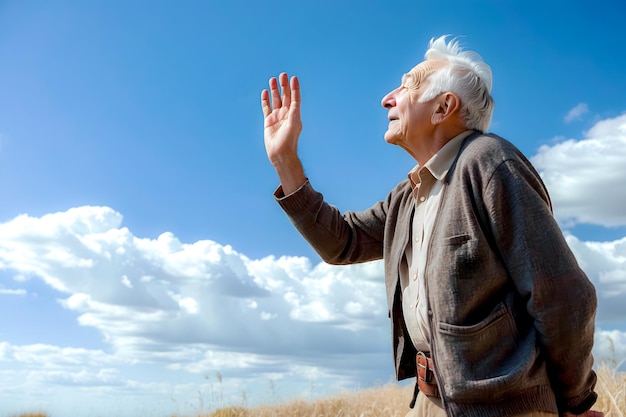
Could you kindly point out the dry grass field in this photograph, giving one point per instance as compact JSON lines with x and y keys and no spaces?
{"x":392,"y":401}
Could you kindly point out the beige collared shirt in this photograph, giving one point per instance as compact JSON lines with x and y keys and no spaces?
{"x":427,"y":182}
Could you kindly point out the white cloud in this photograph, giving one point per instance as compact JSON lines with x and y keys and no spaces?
{"x":586,"y":177}
{"x":610,"y":347}
{"x":76,"y":381}
{"x":195,"y":308}
{"x":19,"y":291}
{"x":53,"y":358}
{"x":605,"y":263}
{"x":576,"y":113}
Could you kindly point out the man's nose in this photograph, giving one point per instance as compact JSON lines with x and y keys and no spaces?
{"x":389,"y":100}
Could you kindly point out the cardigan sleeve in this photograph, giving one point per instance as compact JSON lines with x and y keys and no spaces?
{"x":560,"y":297}
{"x":347,"y":238}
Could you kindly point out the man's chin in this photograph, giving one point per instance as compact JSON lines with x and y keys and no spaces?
{"x":392,"y":139}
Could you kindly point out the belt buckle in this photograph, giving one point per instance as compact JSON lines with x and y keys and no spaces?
{"x":423,"y":369}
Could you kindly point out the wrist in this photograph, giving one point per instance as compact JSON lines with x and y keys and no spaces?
{"x":290,"y":173}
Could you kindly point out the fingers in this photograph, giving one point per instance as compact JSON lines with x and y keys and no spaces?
{"x":265,"y":103}
{"x":288,"y":94}
{"x":276,"y":102}
{"x":265,"y":98}
{"x":284,"y":86}
{"x":295,"y":94}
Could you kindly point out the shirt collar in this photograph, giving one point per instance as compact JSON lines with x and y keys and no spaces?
{"x":439,"y":164}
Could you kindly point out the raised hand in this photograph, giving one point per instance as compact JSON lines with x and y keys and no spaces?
{"x":282,"y":129}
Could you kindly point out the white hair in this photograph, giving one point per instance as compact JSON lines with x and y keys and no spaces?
{"x":465,"y":75}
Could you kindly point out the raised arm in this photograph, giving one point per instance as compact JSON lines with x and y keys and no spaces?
{"x":282,"y":129}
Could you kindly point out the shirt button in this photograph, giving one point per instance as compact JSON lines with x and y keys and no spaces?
{"x":415,"y":277}
{"x":422,"y":199}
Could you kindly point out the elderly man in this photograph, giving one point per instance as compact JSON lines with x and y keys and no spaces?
{"x":489,"y":308}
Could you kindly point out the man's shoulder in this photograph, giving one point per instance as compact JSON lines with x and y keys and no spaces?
{"x":488,"y":150}
{"x":481,"y":143}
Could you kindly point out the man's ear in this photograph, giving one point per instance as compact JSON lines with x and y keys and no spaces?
{"x":447,"y":104}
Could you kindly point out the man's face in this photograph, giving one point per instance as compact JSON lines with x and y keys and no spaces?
{"x":409,"y":120}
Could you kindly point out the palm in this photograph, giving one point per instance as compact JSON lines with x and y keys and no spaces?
{"x":282,"y":119}
{"x":278,"y":128}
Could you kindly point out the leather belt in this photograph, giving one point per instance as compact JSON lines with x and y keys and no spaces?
{"x":425,"y":375}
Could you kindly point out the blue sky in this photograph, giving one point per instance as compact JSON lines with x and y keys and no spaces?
{"x":141,"y":251}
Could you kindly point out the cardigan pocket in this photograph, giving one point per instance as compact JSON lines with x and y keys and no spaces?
{"x":457,"y":240}
{"x":484,"y":361}
{"x":463,"y":257}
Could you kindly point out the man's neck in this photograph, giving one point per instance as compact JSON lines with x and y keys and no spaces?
{"x":439,"y":139}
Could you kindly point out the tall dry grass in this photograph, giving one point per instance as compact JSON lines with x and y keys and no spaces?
{"x":390,"y":400}
{"x":393,"y":401}
{"x":611,"y":390}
